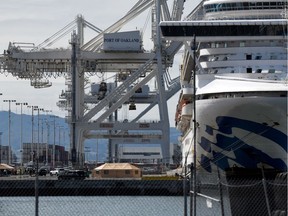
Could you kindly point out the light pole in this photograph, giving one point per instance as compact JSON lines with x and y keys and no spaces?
{"x":64,"y":143}
{"x":42,"y":137}
{"x":38,"y":130}
{"x":21,"y":132}
{"x":87,"y":152}
{"x":9,"y":130}
{"x":61,"y":136}
{"x":0,"y":147}
{"x":54,"y":140}
{"x":1,"y":142}
{"x":97,"y":151}
{"x":60,"y":127}
{"x":32,"y":131}
{"x":47,"y":142}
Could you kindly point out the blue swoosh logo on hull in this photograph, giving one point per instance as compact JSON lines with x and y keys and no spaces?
{"x":244,"y":154}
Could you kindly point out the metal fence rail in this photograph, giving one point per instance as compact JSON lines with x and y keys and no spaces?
{"x":214,"y":196}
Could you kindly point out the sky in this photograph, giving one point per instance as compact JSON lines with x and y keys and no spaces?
{"x":36,"y":20}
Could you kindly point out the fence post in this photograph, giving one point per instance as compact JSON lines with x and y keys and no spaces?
{"x":36,"y":187}
{"x":191,"y":188}
{"x":185,"y":190}
{"x":220,"y":191}
{"x":265,"y":190}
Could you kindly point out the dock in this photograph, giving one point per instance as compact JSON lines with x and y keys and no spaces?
{"x":91,"y":187}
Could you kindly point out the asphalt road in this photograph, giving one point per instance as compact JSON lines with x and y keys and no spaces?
{"x":27,"y":177}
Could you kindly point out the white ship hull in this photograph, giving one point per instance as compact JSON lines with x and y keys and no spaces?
{"x":242,"y":132}
{"x":243,"y":123}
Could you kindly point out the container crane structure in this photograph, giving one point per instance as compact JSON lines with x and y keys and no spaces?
{"x":89,"y":115}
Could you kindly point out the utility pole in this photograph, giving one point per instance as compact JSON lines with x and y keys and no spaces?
{"x":54,"y":140}
{"x":32,"y":132}
{"x":194,"y":128}
{"x":1,"y":147}
{"x":47,"y":142}
{"x":38,"y":131}
{"x":1,"y":142}
{"x":9,"y":130}
{"x":21,"y":131}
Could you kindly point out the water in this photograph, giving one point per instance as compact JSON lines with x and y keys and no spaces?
{"x":94,"y":205}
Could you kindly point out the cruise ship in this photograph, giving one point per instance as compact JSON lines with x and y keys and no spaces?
{"x":239,"y":94}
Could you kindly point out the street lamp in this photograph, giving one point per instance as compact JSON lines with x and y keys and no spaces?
{"x":21,"y":132}
{"x":1,"y":147}
{"x":61,"y":136}
{"x":32,"y":130}
{"x":44,"y":120}
{"x":47,"y":143}
{"x":38,"y":121}
{"x":1,"y":141}
{"x":54,"y":134}
{"x":87,"y":152}
{"x":9,"y":130}
{"x":42,"y":137}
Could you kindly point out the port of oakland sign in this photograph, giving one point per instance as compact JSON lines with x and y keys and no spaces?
{"x":122,"y":41}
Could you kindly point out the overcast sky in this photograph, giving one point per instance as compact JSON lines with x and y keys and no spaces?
{"x":36,"y":20}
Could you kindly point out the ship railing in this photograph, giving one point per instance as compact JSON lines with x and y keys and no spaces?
{"x":219,"y":16}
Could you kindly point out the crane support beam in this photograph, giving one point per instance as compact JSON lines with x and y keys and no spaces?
{"x":92,"y":116}
{"x":120,"y":126}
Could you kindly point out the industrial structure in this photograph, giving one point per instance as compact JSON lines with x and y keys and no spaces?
{"x":45,"y":150}
{"x":120,"y":55}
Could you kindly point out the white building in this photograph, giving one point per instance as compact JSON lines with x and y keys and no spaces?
{"x":147,"y":155}
{"x":140,"y":154}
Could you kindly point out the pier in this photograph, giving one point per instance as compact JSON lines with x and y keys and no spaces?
{"x":91,"y":187}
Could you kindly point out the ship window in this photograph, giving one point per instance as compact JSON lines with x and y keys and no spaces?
{"x":127,"y":172}
{"x":266,"y":4}
{"x":249,"y":70}
{"x":248,"y":57}
{"x":258,"y":70}
{"x":258,"y":57}
{"x":243,"y":6}
{"x":259,"y":4}
{"x":271,"y":71}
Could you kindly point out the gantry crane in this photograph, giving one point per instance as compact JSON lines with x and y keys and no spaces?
{"x":95,"y":115}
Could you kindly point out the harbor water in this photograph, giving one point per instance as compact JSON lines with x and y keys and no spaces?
{"x":93,"y":205}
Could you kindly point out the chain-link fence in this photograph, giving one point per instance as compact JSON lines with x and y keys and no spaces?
{"x":47,"y":195}
{"x":215,"y":195}
{"x":249,"y":196}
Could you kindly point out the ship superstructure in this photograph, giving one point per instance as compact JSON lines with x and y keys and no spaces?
{"x":240,"y":92}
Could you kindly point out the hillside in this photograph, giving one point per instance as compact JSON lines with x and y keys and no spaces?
{"x":61,"y":127}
